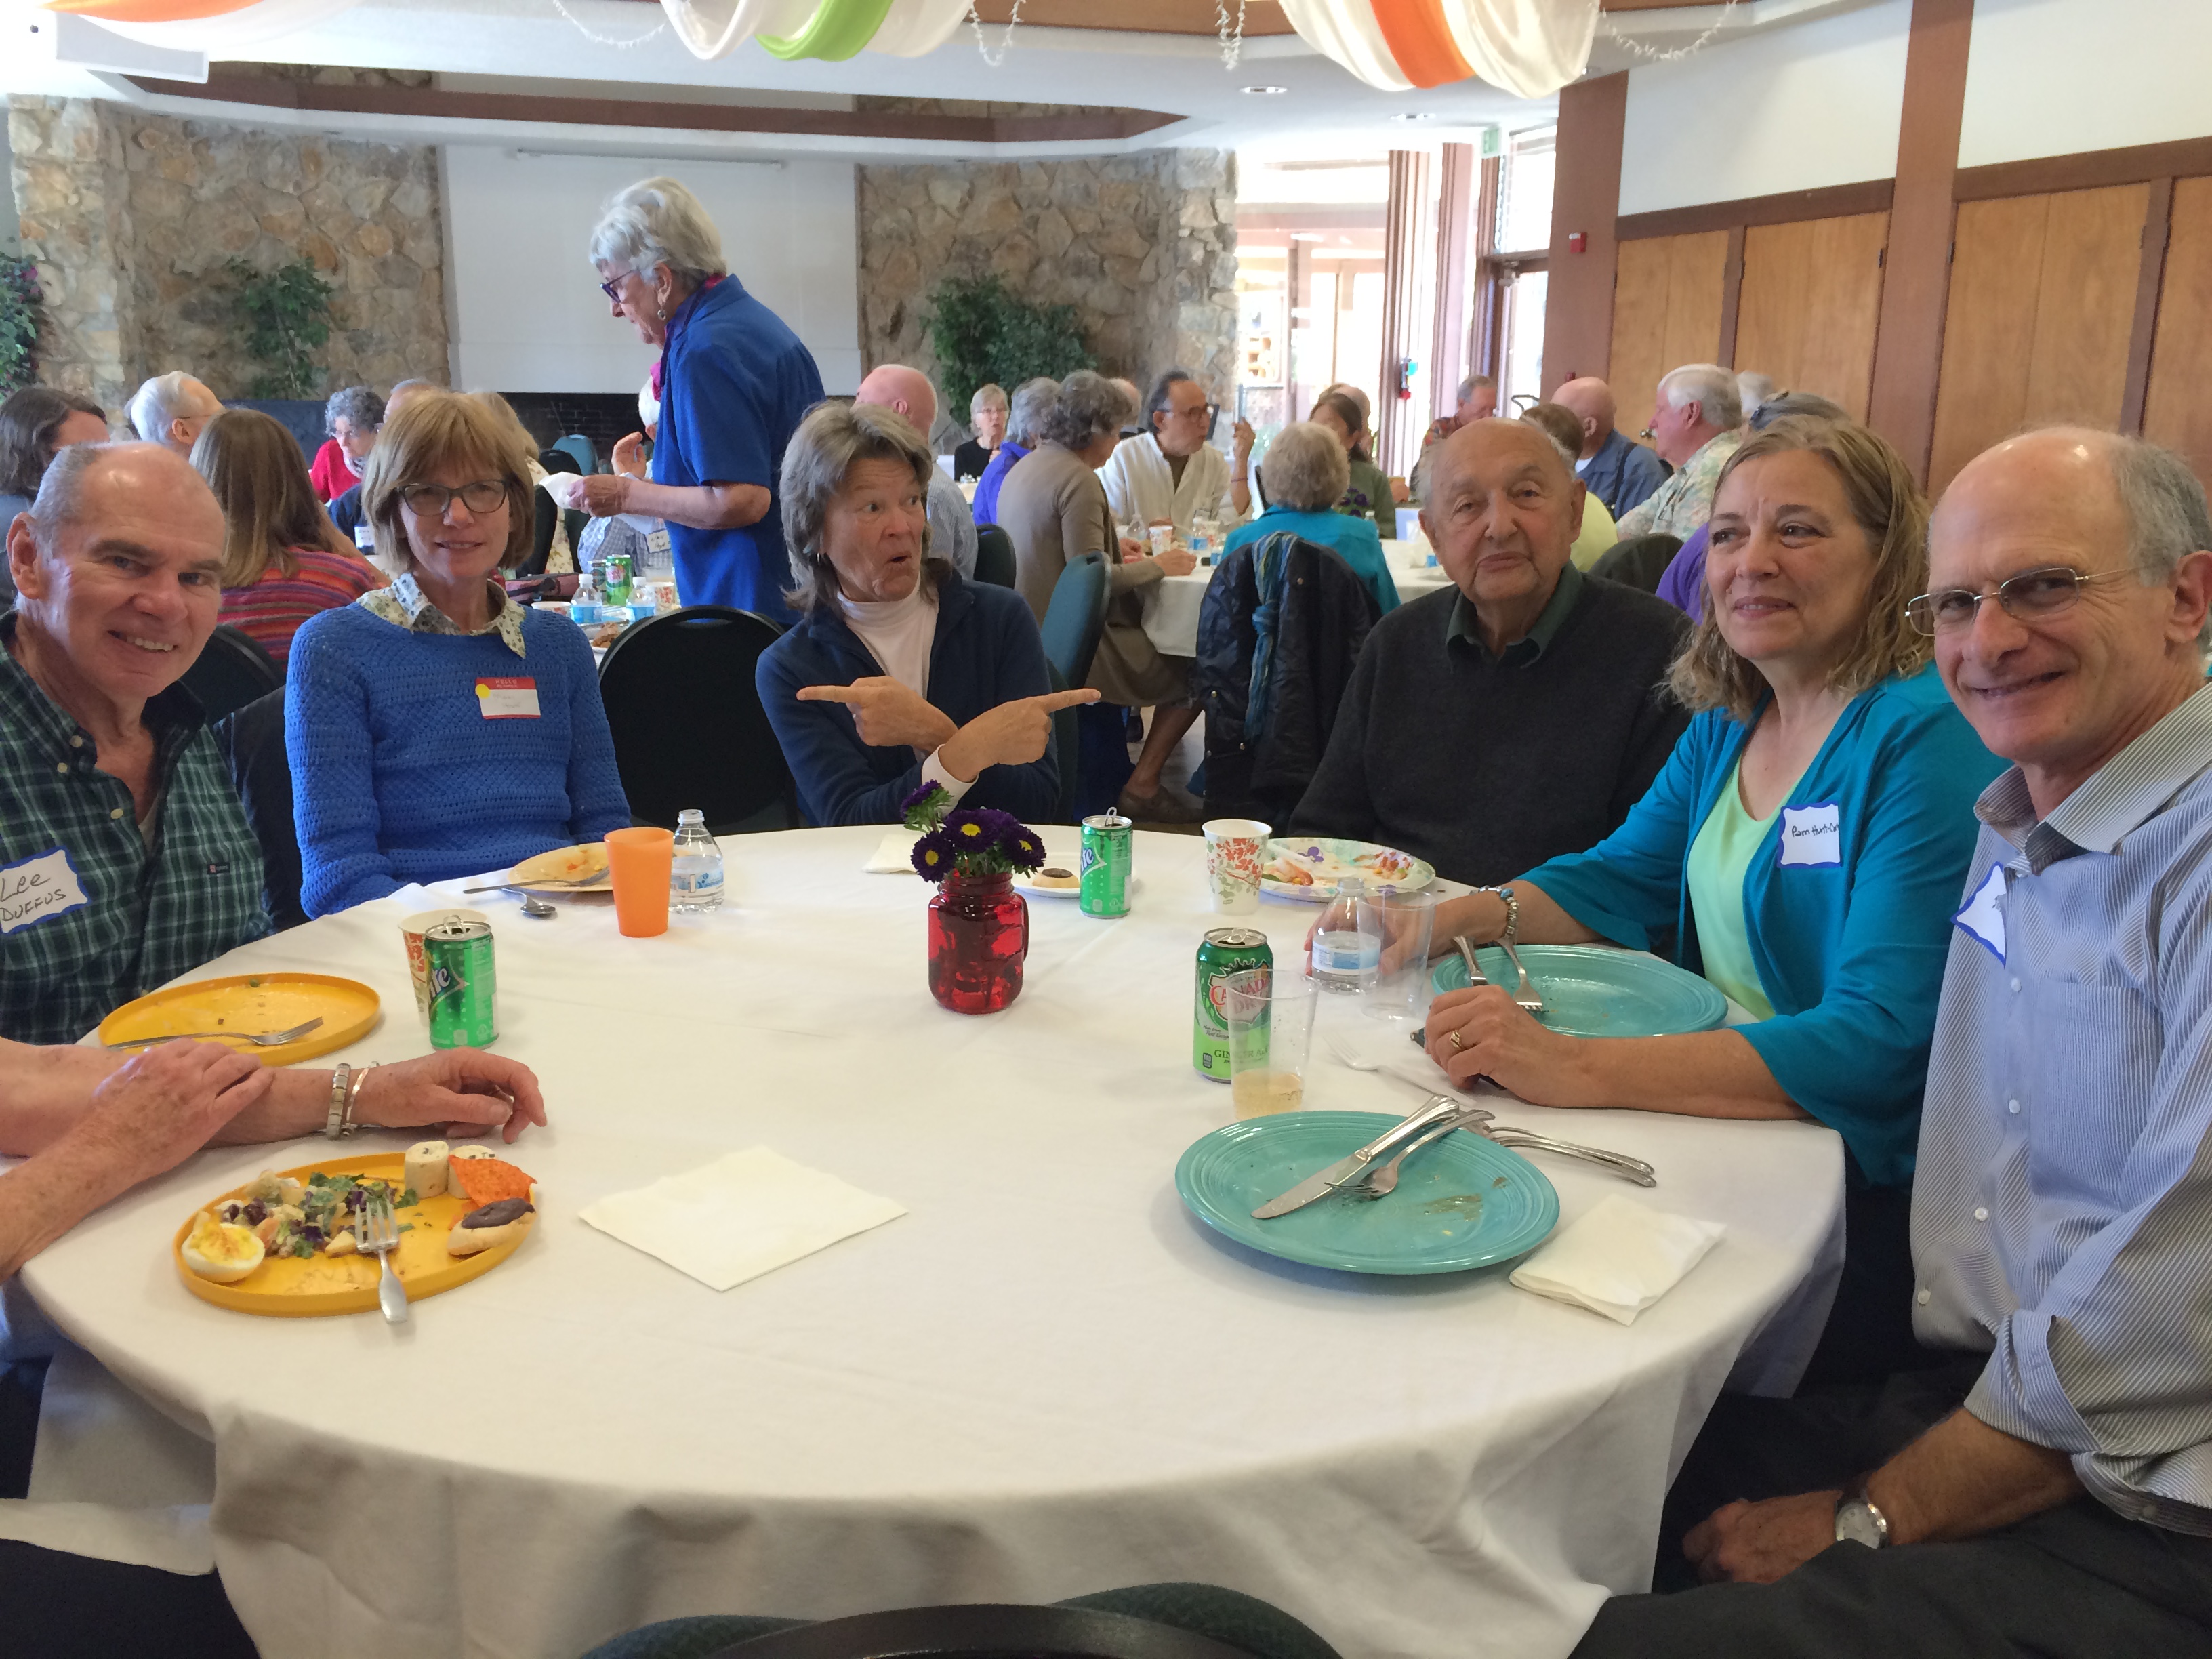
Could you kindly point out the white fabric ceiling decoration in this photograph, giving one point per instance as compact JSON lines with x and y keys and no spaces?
{"x":1530,"y":48}
{"x":715,"y":28}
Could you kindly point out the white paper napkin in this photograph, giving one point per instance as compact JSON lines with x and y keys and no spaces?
{"x":739,"y":1217}
{"x":1619,"y":1259}
{"x":894,"y":853}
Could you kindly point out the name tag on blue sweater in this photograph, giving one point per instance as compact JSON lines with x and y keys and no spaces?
{"x":1812,"y":834}
{"x":507,"y":698}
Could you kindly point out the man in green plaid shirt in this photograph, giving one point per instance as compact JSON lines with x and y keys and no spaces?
{"x":124,"y":857}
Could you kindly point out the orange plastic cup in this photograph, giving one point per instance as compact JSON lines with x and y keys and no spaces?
{"x":640,"y":860}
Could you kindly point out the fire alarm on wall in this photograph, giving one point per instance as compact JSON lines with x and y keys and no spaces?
{"x":1577,"y":241}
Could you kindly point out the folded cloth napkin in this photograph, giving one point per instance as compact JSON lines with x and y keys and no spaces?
{"x":739,"y":1217}
{"x":1619,"y":1259}
{"x":894,"y":853}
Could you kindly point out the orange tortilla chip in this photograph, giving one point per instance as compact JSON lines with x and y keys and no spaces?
{"x":488,"y":1180}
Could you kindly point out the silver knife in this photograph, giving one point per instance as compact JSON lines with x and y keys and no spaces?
{"x":1345,"y":1168}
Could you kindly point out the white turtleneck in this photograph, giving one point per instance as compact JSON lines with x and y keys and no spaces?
{"x":899,"y":635}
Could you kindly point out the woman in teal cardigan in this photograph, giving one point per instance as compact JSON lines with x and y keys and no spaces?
{"x":1806,"y":844}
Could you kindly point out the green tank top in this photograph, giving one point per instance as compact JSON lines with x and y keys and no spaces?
{"x":1720,"y":859}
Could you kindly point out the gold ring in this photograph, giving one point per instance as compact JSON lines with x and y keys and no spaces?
{"x":1455,"y":1040}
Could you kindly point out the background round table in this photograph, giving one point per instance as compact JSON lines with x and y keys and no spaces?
{"x":1172,"y":603}
{"x":1046,"y":1379}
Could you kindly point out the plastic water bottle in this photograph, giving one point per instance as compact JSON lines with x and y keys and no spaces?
{"x":694,"y":875}
{"x":1347,"y":956}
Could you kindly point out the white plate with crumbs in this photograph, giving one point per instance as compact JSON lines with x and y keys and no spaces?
{"x":1057,"y":880}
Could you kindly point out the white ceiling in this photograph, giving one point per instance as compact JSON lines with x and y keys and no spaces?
{"x":522,"y":45}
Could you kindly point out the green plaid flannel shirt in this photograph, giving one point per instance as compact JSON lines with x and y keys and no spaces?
{"x":146,"y":917}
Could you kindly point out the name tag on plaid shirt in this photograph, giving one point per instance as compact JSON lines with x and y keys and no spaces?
{"x":37,"y":889}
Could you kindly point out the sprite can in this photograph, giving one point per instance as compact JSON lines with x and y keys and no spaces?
{"x":1226,"y":950}
{"x":464,"y":984}
{"x":1108,"y":841}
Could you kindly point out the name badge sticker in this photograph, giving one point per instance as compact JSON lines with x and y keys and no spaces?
{"x":38,"y":889}
{"x":1983,"y":916}
{"x":508,"y":699}
{"x":656,"y":543}
{"x":1812,"y":835}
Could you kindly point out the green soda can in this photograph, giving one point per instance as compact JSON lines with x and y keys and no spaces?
{"x":617,"y":578}
{"x":1109,"y":844}
{"x":464,"y":984}
{"x":1226,"y":950}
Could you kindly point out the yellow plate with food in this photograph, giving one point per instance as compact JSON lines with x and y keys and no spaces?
{"x":283,"y":1244}
{"x":251,"y":1004}
{"x":567,"y":870}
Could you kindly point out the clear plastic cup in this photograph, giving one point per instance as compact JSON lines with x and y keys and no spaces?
{"x":1271,"y":1016}
{"x":1407,"y":924}
{"x":640,"y":860}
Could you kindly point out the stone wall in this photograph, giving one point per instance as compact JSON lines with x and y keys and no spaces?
{"x":1143,"y":246}
{"x":133,"y":217}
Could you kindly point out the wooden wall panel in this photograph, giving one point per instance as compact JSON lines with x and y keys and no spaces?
{"x":2177,"y":406}
{"x":1811,"y":295}
{"x":1666,"y":311}
{"x":2042,"y":297}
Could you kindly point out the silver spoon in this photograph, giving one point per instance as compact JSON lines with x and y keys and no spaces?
{"x":534,"y":906}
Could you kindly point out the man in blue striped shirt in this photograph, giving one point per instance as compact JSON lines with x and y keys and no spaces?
{"x":2045,"y":1485}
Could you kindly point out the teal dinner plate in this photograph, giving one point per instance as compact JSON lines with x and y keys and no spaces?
{"x":1592,"y":990}
{"x":1463,"y":1202}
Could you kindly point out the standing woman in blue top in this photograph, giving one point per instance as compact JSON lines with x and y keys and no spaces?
{"x":1807,"y":840}
{"x":436,"y":728}
{"x":734,"y":383}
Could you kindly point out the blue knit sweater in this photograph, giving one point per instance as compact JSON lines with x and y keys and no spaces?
{"x":396,"y":776}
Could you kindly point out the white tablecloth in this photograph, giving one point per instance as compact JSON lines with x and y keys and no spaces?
{"x":1045,"y":1380}
{"x":1171,"y":605}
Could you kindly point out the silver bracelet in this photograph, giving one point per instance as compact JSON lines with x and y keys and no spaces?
{"x":1511,"y":935}
{"x":353,"y":1095}
{"x":335,"y":1125}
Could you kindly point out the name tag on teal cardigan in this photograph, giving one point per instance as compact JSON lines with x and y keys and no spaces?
{"x":1812,"y":834}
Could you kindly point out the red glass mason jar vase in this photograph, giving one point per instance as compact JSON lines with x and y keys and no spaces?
{"x":979,"y":934}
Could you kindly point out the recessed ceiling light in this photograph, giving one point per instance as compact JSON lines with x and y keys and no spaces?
{"x":1414,"y":115}
{"x":1265,"y":92}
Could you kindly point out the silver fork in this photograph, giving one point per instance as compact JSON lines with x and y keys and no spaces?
{"x":258,"y":1039}
{"x":376,"y":1232}
{"x":1526,"y":997}
{"x":1381,"y":1183}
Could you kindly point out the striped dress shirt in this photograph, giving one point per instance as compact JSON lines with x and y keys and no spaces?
{"x":2061,"y":1220}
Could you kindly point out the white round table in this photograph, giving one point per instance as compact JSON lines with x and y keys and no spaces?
{"x":1046,"y":1379}
{"x":1172,"y":603}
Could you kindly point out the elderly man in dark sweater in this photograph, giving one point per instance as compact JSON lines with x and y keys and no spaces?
{"x":1517,"y":714}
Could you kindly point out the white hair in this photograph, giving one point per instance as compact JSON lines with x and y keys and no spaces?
{"x":156,"y":403}
{"x":1710,"y":386}
{"x":658,"y":222}
{"x":1753,"y":389}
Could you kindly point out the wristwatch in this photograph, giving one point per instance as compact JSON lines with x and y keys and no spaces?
{"x":1858,"y":1522}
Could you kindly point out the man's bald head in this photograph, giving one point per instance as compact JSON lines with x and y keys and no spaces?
{"x":1592,"y":402}
{"x":907,"y":391}
{"x":1481,"y":444}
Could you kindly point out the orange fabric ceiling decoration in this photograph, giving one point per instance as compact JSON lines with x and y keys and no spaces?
{"x":149,"y":11}
{"x":1530,"y":48}
{"x":1420,"y":39}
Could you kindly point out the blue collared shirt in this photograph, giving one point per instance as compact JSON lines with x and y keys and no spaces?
{"x":2063,"y":1217}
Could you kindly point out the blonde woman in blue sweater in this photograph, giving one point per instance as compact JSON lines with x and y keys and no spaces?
{"x":436,"y":728}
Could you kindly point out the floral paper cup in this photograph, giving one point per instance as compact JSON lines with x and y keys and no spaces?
{"x":1233,"y":851}
{"x":418,"y":969}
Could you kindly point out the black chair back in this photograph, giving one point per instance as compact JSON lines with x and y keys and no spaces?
{"x":688,"y":724}
{"x":995,"y":555}
{"x":1075,"y":620}
{"x":231,"y":671}
{"x":1639,"y":561}
{"x":985,"y":1632}
{"x":252,"y":743}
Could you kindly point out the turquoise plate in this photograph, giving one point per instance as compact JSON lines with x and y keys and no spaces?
{"x":1464,"y":1202}
{"x":1592,"y":990}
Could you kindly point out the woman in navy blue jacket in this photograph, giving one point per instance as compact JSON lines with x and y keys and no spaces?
{"x":897,"y":672}
{"x":1807,"y":843}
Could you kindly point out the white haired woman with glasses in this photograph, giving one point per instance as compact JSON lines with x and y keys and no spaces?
{"x":941,"y":680}
{"x":733,"y":381}
{"x":435,"y":727}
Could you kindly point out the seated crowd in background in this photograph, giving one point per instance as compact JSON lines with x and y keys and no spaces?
{"x":1597,"y":533}
{"x":282,"y":559}
{"x":1026,"y":413}
{"x":1305,"y":476}
{"x":437,"y":727}
{"x":1169,"y":474}
{"x":351,"y":419}
{"x":901,"y":672}
{"x":171,"y":409}
{"x":907,"y":393}
{"x":987,"y":414}
{"x":1368,"y":493}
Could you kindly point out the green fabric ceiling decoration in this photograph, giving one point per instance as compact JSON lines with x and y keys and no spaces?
{"x":838,"y":29}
